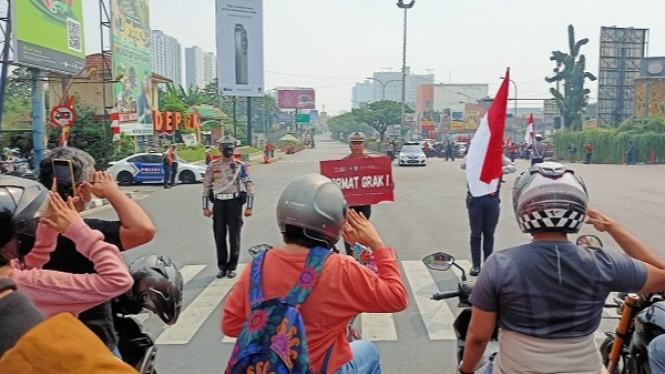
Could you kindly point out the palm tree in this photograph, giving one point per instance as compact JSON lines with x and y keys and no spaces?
{"x":574,"y":99}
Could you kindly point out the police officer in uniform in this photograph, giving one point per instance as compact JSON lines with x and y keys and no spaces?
{"x":357,"y":147}
{"x":227,"y":186}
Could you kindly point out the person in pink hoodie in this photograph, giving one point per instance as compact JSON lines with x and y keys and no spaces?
{"x":55,"y":292}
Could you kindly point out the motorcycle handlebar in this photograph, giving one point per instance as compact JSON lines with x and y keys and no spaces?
{"x":446,"y":295}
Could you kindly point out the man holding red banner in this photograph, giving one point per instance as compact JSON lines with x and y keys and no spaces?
{"x":485,"y":164}
{"x":357,"y":146}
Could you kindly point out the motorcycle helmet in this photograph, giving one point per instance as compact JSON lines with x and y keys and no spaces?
{"x":315,"y":204}
{"x":22,"y":201}
{"x":157,"y":287}
{"x":550,"y":198}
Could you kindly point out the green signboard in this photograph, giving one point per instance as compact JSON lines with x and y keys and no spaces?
{"x":302,"y":118}
{"x":49,"y":34}
{"x":132,"y":65}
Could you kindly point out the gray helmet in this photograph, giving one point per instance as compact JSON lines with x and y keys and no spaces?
{"x":315,"y":204}
{"x":21,"y":202}
{"x":550,"y":198}
{"x":227,"y":142}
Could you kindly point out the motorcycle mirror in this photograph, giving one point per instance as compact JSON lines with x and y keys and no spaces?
{"x":589,"y":241}
{"x":439,"y":261}
{"x":257,"y":249}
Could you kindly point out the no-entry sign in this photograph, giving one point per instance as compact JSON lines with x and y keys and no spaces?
{"x":63,"y":116}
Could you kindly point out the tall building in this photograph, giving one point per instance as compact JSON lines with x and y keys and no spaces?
{"x":194,"y":67}
{"x":209,"y":67}
{"x":389,"y":85}
{"x":167,"y":56}
{"x":363,"y":93}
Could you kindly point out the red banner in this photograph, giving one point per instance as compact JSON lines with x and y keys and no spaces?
{"x":365,"y":181}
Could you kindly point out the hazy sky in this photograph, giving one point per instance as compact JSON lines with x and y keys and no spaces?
{"x":331,"y":44}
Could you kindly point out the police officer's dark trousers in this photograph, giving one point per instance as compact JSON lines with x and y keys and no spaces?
{"x":366,"y":210}
{"x":227,"y":216}
{"x":483,"y":218}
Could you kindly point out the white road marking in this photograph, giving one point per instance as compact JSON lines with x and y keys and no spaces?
{"x":436,"y":315}
{"x":378,"y":327}
{"x":198,"y":311}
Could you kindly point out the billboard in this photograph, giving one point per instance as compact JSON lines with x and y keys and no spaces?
{"x":49,"y":34}
{"x":304,"y":98}
{"x":132,"y":65}
{"x":240,"y":47}
{"x":654,"y":99}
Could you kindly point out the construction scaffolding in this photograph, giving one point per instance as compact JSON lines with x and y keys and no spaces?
{"x":621,"y":51}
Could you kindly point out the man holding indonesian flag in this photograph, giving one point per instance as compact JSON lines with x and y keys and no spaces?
{"x":484,"y":165}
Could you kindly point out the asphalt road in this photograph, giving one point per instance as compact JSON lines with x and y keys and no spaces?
{"x":428,"y":215}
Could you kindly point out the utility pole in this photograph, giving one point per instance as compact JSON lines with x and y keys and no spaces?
{"x":249,"y":121}
{"x":406,"y":7}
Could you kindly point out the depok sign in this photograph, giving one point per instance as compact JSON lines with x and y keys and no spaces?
{"x":302,"y":98}
{"x":240,"y":47}
{"x":48,"y":35}
{"x":365,"y":181}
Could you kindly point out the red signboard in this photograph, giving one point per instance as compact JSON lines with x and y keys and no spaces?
{"x":363,"y":181}
{"x":296,"y":99}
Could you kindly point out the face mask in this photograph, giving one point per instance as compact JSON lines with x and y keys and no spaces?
{"x":227,"y":152}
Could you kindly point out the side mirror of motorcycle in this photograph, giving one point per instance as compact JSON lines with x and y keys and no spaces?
{"x":441,"y":262}
{"x":589,"y":241}
{"x":257,"y":249}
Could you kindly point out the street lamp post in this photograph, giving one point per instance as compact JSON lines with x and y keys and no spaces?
{"x":383,"y":86}
{"x":406,"y":7}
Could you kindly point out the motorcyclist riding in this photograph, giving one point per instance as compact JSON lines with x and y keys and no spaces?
{"x":312,"y":213}
{"x":548,"y":295}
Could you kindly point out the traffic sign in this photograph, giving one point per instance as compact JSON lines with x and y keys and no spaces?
{"x":302,"y":118}
{"x":62,"y":116}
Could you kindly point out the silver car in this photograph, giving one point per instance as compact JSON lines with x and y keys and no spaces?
{"x":412,"y":154}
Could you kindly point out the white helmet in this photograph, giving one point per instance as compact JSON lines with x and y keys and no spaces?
{"x":550,"y":198}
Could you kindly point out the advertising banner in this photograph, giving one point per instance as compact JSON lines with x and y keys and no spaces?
{"x":240,"y":47}
{"x":132,"y":64}
{"x":296,"y":99}
{"x":471,"y":120}
{"x":49,"y":34}
{"x":364,"y":181}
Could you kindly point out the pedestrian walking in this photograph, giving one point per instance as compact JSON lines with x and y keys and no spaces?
{"x":589,"y":153}
{"x":512,"y":151}
{"x":450,"y":152}
{"x":391,"y":150}
{"x":174,"y":164}
{"x":167,"y":160}
{"x":228,"y":186}
{"x":630,"y":154}
{"x":484,"y":214}
{"x":272,"y":150}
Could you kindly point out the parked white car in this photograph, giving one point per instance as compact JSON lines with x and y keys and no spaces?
{"x":149,"y":168}
{"x":411,"y":154}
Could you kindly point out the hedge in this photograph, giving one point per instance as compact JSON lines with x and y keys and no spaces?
{"x":609,"y":145}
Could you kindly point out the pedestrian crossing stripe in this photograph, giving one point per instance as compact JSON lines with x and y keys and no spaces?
{"x":437,"y":316}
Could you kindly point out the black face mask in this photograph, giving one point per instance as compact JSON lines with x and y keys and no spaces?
{"x":228,"y":152}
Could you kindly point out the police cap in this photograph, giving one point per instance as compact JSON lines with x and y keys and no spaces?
{"x":227,"y":142}
{"x":357,"y":137}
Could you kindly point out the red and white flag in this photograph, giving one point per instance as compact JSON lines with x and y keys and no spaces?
{"x":484,"y":161}
{"x":528,"y":135}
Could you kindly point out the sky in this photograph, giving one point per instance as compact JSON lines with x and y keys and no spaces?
{"x":331,"y":44}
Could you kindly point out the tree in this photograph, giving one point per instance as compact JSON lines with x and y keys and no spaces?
{"x":346,"y":124}
{"x":381,"y":114}
{"x":574,"y":99}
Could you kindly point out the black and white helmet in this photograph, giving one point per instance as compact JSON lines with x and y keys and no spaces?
{"x":550,"y":198}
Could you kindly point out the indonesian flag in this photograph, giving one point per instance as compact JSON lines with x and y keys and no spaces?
{"x":528,"y":136}
{"x":484,"y":161}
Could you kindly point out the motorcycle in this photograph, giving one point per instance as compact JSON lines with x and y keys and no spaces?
{"x":642,"y":319}
{"x":442,"y":262}
{"x":136,"y":346}
{"x":352,"y":332}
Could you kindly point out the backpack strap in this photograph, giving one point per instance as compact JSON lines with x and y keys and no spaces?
{"x":255,"y":288}
{"x":315,"y":259}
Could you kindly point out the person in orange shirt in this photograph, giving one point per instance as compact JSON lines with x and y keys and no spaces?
{"x":167,"y":159}
{"x":312,"y":212}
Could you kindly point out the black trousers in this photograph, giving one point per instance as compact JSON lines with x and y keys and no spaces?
{"x":483,"y":217}
{"x":174,"y":172}
{"x":227,"y":217}
{"x":366,"y":210}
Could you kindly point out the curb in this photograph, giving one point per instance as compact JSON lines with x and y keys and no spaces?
{"x":96,"y":203}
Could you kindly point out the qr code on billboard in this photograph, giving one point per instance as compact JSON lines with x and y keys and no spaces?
{"x":74,"y":35}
